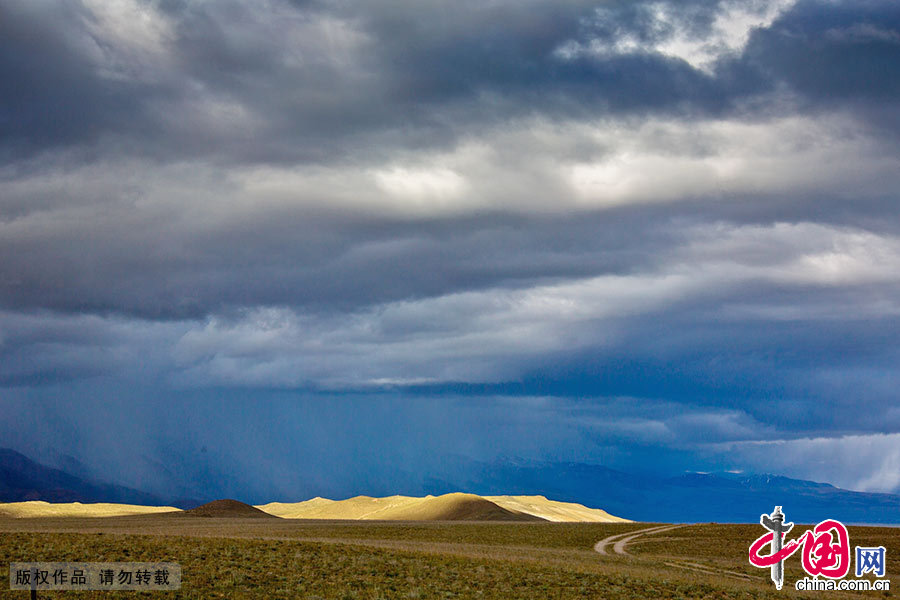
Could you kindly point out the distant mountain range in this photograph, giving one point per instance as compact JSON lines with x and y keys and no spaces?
{"x":22,"y":479}
{"x":695,"y":497}
{"x":688,"y":498}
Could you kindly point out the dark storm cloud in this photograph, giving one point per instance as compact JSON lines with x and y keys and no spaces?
{"x":768,"y":370}
{"x":648,"y":228}
{"x":52,"y":92}
{"x":835,"y":52}
{"x":124,"y":266}
{"x":313,"y":82}
{"x":509,"y":55}
{"x":834,"y":56}
{"x":323,"y":76}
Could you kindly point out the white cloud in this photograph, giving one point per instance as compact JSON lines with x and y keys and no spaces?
{"x":537,"y":166}
{"x":796,"y":254}
{"x":869,"y":463}
{"x":728,"y":35}
{"x":472,"y":336}
{"x":730,"y":31}
{"x":131,"y":39}
{"x":531,"y":166}
{"x":664,"y":161}
{"x":493,"y":334}
{"x":438,"y":186}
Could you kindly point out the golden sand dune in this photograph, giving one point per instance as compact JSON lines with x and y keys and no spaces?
{"x":552,"y":510}
{"x":449,"y":507}
{"x":37,"y":508}
{"x":360,"y":507}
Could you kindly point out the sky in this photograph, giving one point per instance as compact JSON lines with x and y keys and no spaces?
{"x":275,"y":249}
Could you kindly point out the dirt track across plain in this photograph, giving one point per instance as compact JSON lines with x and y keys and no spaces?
{"x":620,"y":541}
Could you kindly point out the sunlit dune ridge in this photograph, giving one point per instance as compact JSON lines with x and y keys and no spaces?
{"x":449,"y":507}
{"x":38,"y":508}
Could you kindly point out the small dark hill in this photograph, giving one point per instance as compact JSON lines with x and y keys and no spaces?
{"x":228,"y":509}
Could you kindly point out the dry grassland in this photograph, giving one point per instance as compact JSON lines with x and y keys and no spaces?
{"x":272,"y":558}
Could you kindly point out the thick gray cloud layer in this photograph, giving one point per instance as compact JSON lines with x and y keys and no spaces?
{"x":679,"y":216}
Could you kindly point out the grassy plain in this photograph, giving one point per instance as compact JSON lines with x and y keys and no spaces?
{"x":254,"y":558}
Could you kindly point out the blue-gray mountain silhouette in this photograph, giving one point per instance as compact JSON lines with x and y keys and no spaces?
{"x":22,"y":479}
{"x":687,"y":498}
